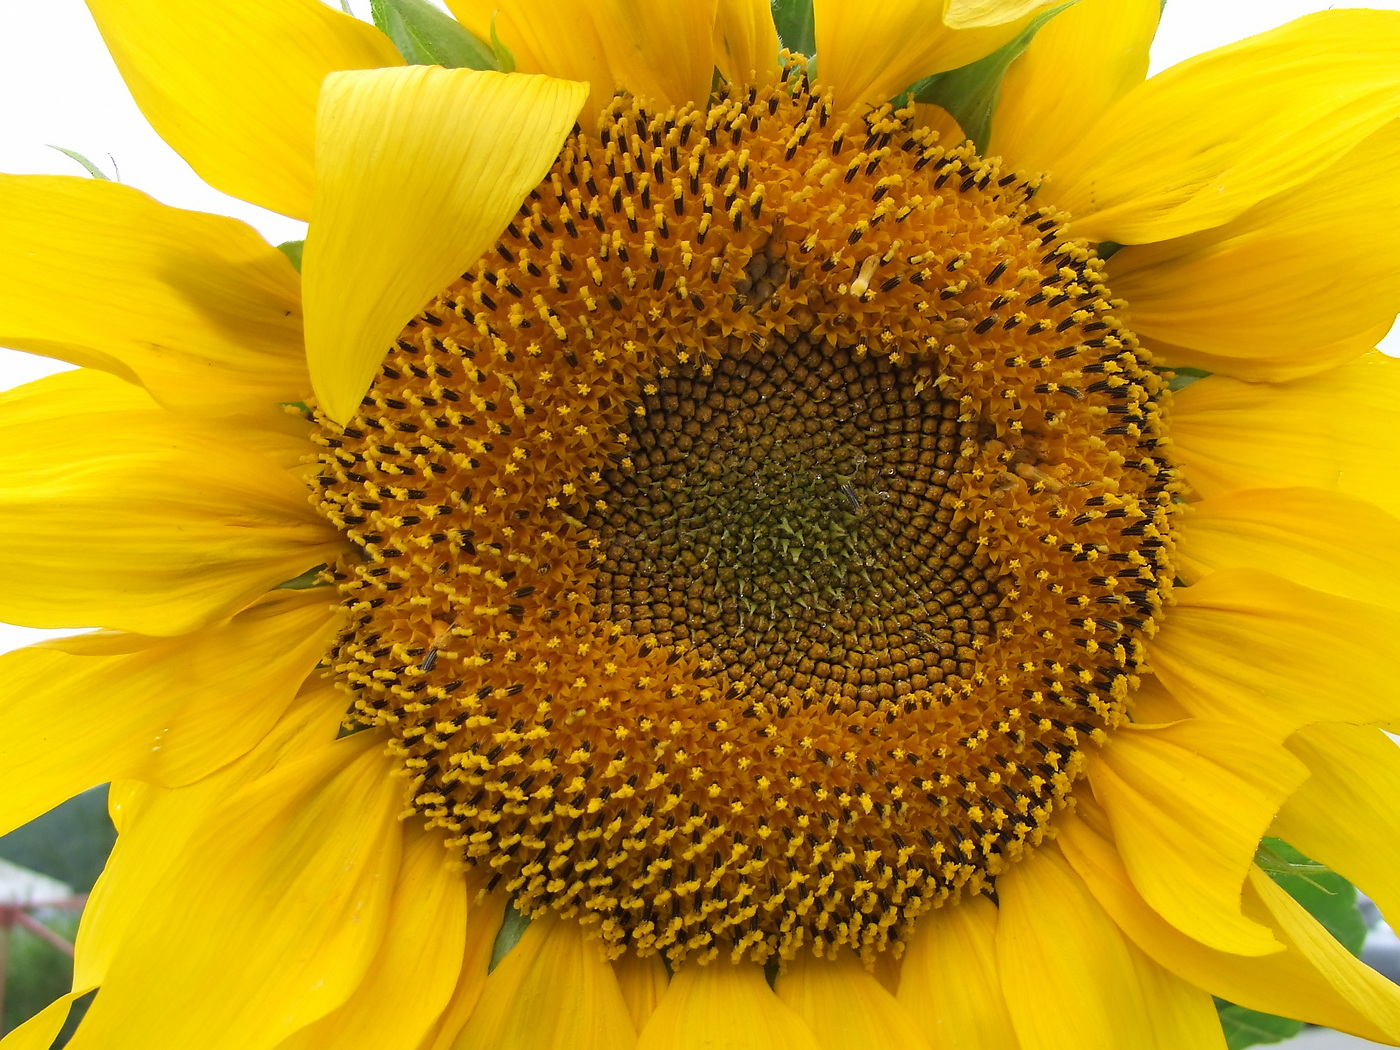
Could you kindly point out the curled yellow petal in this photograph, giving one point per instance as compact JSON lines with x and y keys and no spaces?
{"x":232,"y":84}
{"x":418,"y":170}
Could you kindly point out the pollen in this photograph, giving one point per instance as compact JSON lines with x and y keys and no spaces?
{"x":748,"y":547}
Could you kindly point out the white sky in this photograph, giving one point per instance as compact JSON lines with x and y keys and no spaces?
{"x":57,"y":86}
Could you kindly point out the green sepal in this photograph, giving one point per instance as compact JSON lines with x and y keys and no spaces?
{"x":1250,"y":1028}
{"x":310,"y":578}
{"x":970,"y":93}
{"x":796,"y":25}
{"x":427,"y":36}
{"x":1184,"y":377}
{"x":292,"y":250}
{"x":512,"y":929}
{"x":505,"y":60}
{"x":92,"y":169}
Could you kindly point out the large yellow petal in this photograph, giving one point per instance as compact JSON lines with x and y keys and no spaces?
{"x":1311,"y":267}
{"x":155,"y":826}
{"x":418,"y":171}
{"x":871,"y":52}
{"x":845,"y":1006}
{"x":232,"y":84}
{"x":724,"y":1004}
{"x":279,"y":901}
{"x":1324,"y":540}
{"x":167,"y":711}
{"x":1072,"y":979}
{"x":484,"y":914}
{"x":1262,"y":652}
{"x":1081,"y":62}
{"x":554,"y":991}
{"x":949,"y":981}
{"x":410,"y":980}
{"x":197,"y":308}
{"x":746,"y":41}
{"x":139,"y":519}
{"x":1347,"y":814}
{"x":40,"y":1031}
{"x":1275,"y":367}
{"x":1189,"y":803}
{"x":1330,"y":431}
{"x":1314,"y":980}
{"x":643,"y":982}
{"x":1195,"y":146}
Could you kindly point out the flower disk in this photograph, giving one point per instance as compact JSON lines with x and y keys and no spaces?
{"x":750,"y":544}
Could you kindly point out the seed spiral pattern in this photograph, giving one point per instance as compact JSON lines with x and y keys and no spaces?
{"x":749,"y":545}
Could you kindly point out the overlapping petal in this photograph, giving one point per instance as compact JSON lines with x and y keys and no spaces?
{"x":845,"y":1007}
{"x":724,"y":1004}
{"x":232,"y":84}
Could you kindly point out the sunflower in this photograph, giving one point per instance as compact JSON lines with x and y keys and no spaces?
{"x":850,"y":544}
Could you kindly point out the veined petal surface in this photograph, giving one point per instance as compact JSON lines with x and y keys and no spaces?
{"x":292,"y":877}
{"x":1188,"y":804}
{"x":724,"y":1005}
{"x":1071,"y":978}
{"x":746,"y":41}
{"x":1234,"y":291}
{"x":164,"y":710}
{"x":845,"y":1006}
{"x":232,"y":84}
{"x":1198,"y":144}
{"x":484,"y":914}
{"x":139,"y":519}
{"x":1081,"y":62}
{"x":870,"y":52}
{"x":418,"y":170}
{"x":197,"y":308}
{"x":1230,"y":649}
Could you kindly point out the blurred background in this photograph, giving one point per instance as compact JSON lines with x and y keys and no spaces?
{"x":60,"y":89}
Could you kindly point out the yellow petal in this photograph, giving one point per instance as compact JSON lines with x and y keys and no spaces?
{"x":1233,"y":291}
{"x":167,"y":711}
{"x":1292,"y":983}
{"x":1329,"y":431}
{"x":1071,"y":979}
{"x":871,"y":52}
{"x":643,"y":982}
{"x":845,"y":1006}
{"x":1272,"y":368}
{"x":927,"y":115}
{"x":1260,"y":651}
{"x":280,"y":901}
{"x":949,"y":981}
{"x":553,"y":991}
{"x":1195,"y":146}
{"x":1323,"y":540}
{"x":1189,"y":803}
{"x":410,"y":980}
{"x":746,"y":41}
{"x":139,"y":519}
{"x":1081,"y":62}
{"x":418,"y":171}
{"x":197,"y":308}
{"x":155,"y":826}
{"x":232,"y":84}
{"x":724,"y":1004}
{"x":1347,"y":814}
{"x":39,"y":1032}
{"x":659,"y":52}
{"x":484,"y":914}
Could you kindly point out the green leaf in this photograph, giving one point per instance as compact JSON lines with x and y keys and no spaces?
{"x":1184,"y":377}
{"x":512,"y":929}
{"x":1249,"y":1027}
{"x":797,"y":27}
{"x":505,"y":61}
{"x":1329,"y":898}
{"x":310,"y":578}
{"x":92,"y":169}
{"x":970,"y":92}
{"x":428,"y":36}
{"x":292,"y":250}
